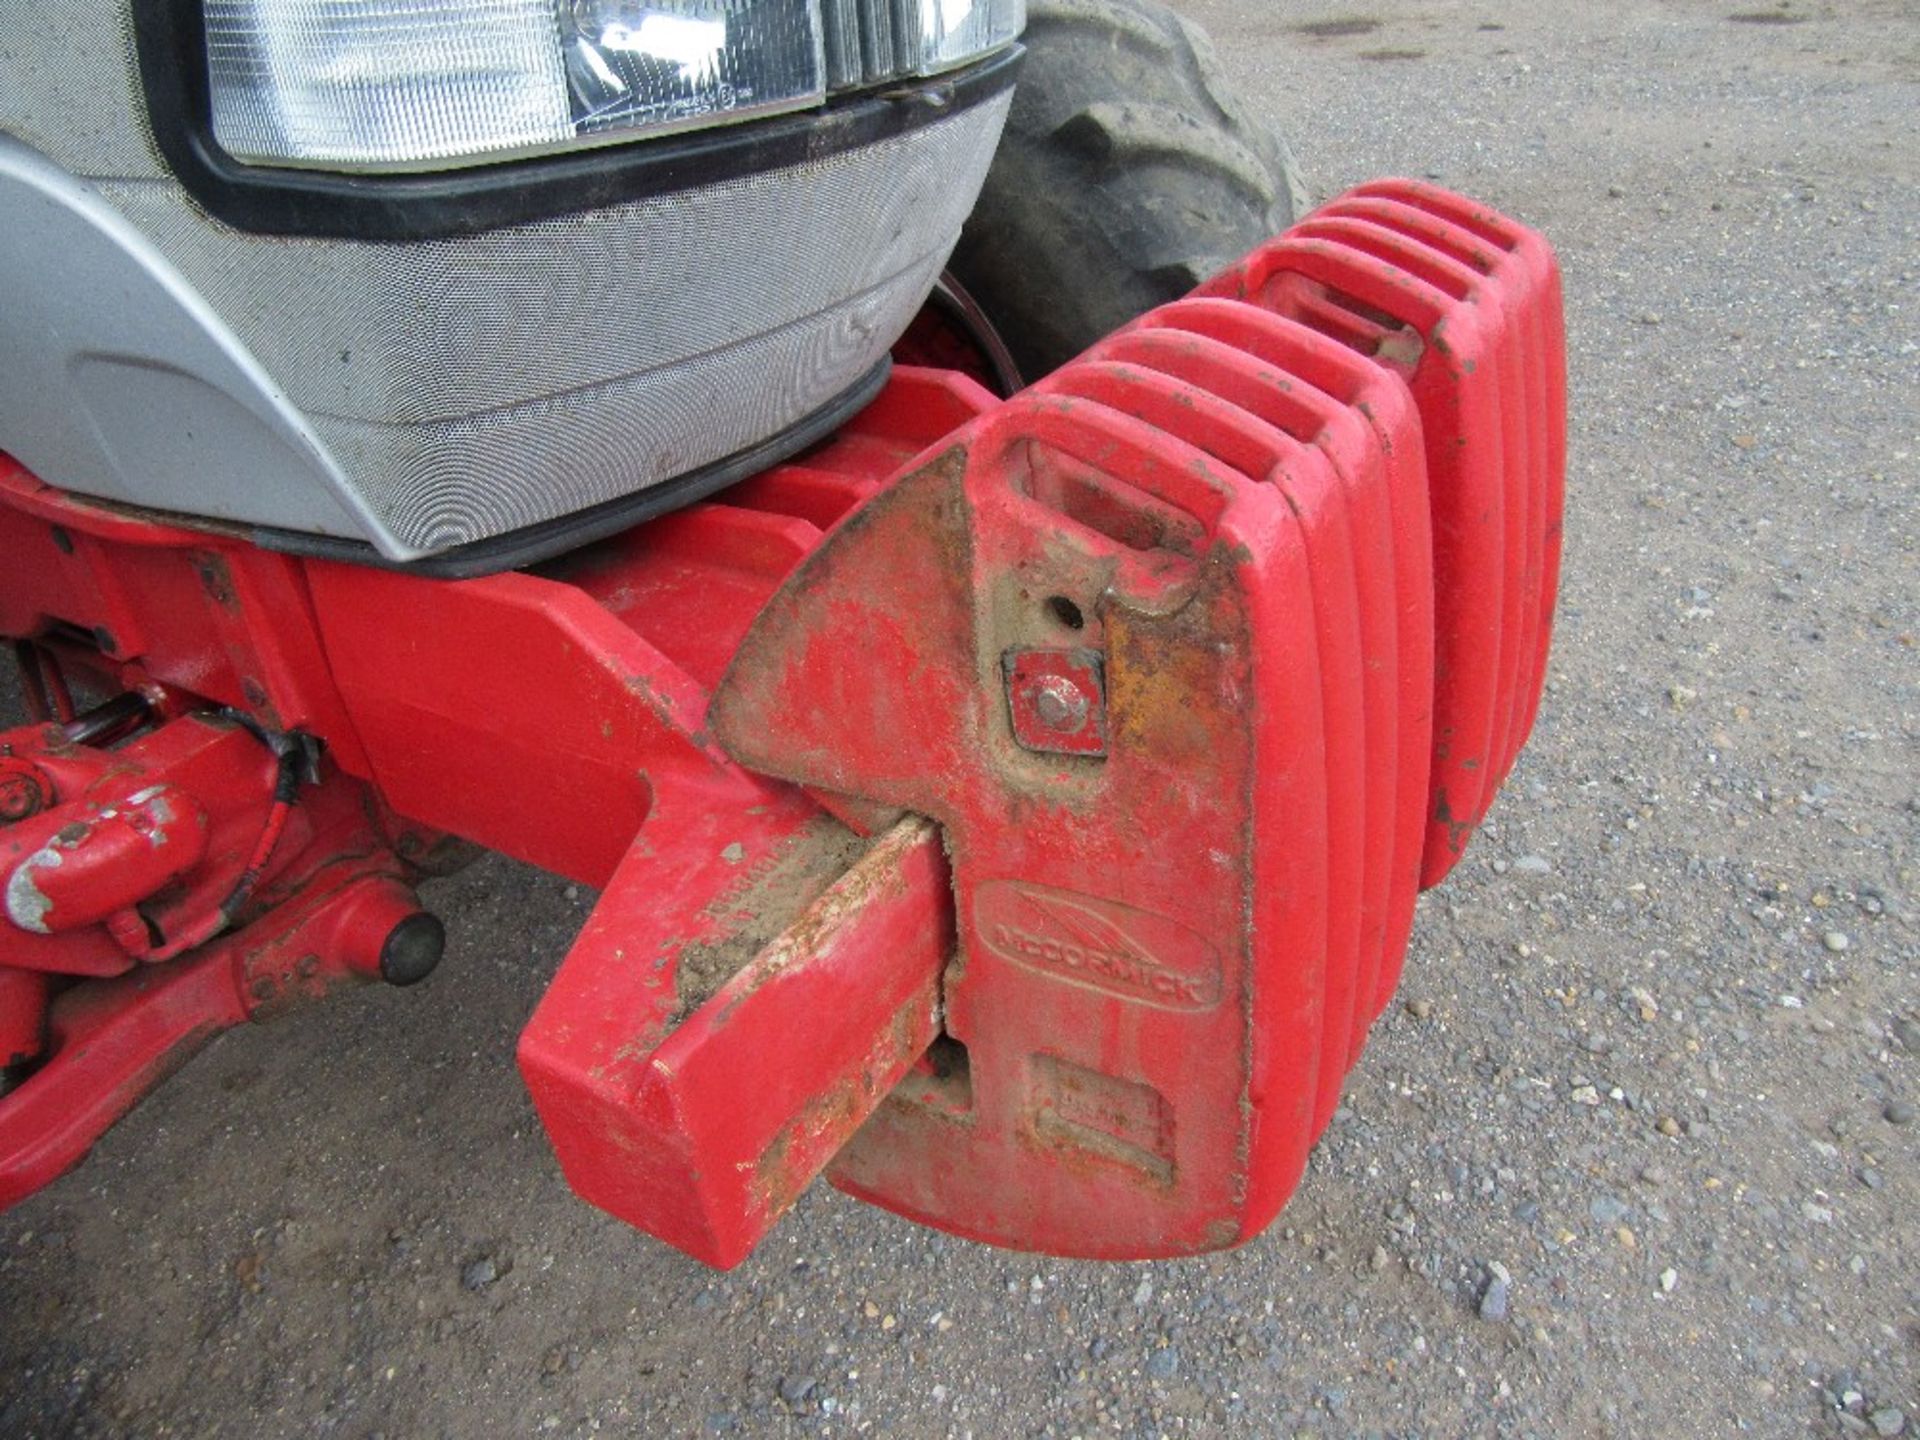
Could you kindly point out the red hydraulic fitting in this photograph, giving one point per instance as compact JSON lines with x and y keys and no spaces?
{"x":25,"y":789}
{"x":79,"y":865}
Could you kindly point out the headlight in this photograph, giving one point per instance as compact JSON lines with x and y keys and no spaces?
{"x":409,"y":84}
{"x":944,"y":33}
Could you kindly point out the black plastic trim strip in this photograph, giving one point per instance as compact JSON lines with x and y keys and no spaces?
{"x":529,"y":546}
{"x":170,"y":38}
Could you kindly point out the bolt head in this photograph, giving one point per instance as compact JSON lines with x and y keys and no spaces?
{"x":1060,"y":704}
{"x":19,"y":798}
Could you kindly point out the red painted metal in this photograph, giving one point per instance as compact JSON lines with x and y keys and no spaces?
{"x":23,"y":1016}
{"x":110,"y":1041}
{"x":741,"y":1000}
{"x":1466,"y":304}
{"x":25,"y":789}
{"x":66,"y":872}
{"x":558,"y":716}
{"x":139,"y":856}
{"x":1143,"y":1058}
{"x":1169,"y":952}
{"x":697,"y":1086}
{"x":1204,"y":654}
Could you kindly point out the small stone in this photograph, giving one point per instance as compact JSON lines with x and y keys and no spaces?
{"x":1898,"y":1112}
{"x":1607,"y":1210}
{"x":1495,"y":1299}
{"x":794,"y":1389}
{"x":1533,"y":865}
{"x":1668,"y":1279}
{"x":1907,"y":1032}
{"x":1419,"y":1009}
{"x":1143,"y":1292}
{"x":1837,"y":941}
{"x":734,"y":853}
{"x":1745,"y":442}
{"x":1585,"y":1095}
{"x":1888,"y":1421}
{"x":1668,"y":1126}
{"x":251,"y":1270}
{"x":479,"y":1274}
{"x":1378,"y":1259}
{"x":1164,"y":1363}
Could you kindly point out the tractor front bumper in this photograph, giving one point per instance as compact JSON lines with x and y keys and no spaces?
{"x":1206,"y":653}
{"x":1013,"y":809}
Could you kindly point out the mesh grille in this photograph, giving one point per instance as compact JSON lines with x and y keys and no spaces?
{"x":473,"y":386}
{"x":469,"y":387}
{"x":443,"y":483}
{"x":434,"y":330}
{"x":70,"y":90}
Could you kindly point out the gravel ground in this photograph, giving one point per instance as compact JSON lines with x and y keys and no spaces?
{"x":1636,"y":1157}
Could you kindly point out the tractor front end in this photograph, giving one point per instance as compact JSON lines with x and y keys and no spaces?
{"x":1012,"y":805}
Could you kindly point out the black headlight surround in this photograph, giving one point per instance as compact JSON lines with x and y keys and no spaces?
{"x":170,"y":43}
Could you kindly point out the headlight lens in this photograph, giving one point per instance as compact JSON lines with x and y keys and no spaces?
{"x":632,"y":65}
{"x":407,"y":84}
{"x":946,"y":33}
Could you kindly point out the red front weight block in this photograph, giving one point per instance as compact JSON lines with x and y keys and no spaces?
{"x":1304,"y":526}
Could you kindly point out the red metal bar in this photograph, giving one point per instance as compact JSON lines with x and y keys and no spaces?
{"x":706,"y":1113}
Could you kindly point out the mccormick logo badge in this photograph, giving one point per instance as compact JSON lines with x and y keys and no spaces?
{"x":1084,"y":940}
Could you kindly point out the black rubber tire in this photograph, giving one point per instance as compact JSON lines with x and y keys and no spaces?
{"x":1129,"y":173}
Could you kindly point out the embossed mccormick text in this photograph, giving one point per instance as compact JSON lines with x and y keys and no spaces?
{"x":1085,"y":940}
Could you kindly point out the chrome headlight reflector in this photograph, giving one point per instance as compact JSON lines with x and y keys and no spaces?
{"x":419,"y":84}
